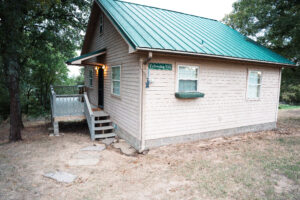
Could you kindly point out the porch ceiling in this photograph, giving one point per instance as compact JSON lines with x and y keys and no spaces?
{"x":79,"y":60}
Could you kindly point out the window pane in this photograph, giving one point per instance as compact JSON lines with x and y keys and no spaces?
{"x":254,"y":78}
{"x":116,"y":87}
{"x":116,"y":73}
{"x":253,"y":91}
{"x":91,"y":77}
{"x":187,"y":85}
{"x":188,"y":72}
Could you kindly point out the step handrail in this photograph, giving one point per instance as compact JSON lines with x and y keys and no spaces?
{"x":89,"y":115}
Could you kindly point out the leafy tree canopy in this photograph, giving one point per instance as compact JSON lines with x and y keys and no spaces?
{"x":36,"y":37}
{"x":276,"y":25}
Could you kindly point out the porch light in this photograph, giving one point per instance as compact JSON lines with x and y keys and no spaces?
{"x":100,"y":67}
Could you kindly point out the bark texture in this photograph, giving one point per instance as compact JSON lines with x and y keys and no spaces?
{"x":15,"y":108}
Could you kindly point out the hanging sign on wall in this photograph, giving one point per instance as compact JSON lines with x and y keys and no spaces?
{"x":160,"y":66}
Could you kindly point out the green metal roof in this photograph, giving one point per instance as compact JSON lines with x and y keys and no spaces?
{"x":146,"y":27}
{"x":77,"y":60}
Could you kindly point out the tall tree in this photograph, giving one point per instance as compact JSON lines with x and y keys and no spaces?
{"x":275,"y":24}
{"x":31,"y":32}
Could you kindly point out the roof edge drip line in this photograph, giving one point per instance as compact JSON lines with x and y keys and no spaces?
{"x":78,"y":60}
{"x":212,"y":56}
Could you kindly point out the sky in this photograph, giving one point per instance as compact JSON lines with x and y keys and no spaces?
{"x":214,"y":9}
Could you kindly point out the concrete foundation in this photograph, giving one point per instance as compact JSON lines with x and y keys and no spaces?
{"x":211,"y":134}
{"x":133,"y":141}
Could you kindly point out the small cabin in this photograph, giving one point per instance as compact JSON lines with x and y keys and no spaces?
{"x":156,"y":77}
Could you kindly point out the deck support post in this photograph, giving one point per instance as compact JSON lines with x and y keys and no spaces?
{"x":55,"y":128}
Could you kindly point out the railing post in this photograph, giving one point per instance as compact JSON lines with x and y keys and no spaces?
{"x":53,"y":110}
{"x":93,"y":127}
{"x":54,"y":104}
{"x":89,"y":116}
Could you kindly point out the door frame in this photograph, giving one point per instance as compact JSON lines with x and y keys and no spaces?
{"x":101,"y":88}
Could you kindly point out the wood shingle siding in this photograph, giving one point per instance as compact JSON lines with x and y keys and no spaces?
{"x":123,"y":110}
{"x":224,"y":106}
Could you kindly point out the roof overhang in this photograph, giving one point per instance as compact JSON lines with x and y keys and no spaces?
{"x":212,"y":56}
{"x":79,"y":60}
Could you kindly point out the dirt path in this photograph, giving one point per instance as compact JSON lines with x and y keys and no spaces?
{"x":251,"y":166}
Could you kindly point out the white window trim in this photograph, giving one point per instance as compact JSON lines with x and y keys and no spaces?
{"x":101,"y":24}
{"x":112,"y":80}
{"x":90,"y":78}
{"x":260,"y":85}
{"x":196,"y":79}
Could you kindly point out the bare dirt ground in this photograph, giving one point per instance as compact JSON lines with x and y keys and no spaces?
{"x":264,"y":165}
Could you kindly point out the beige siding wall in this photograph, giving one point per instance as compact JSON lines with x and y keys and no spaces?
{"x":224,"y":105}
{"x":123,"y":110}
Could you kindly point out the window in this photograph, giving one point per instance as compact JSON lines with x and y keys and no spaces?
{"x":101,"y":24}
{"x":116,"y":81}
{"x":188,"y":78}
{"x":254,"y":84}
{"x":90,"y":78}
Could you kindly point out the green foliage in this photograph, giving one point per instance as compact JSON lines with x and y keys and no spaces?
{"x":274,"y":24}
{"x":39,"y":36}
{"x":76,"y":80}
{"x":290,"y":93}
{"x":287,"y":106}
{"x":4,"y":102}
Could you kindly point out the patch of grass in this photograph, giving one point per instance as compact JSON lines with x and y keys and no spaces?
{"x":282,"y":158}
{"x":289,"y":140}
{"x":250,"y":173}
{"x":229,"y":179}
{"x":287,"y":106}
{"x":291,"y":171}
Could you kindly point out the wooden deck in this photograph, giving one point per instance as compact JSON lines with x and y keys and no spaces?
{"x":66,"y":101}
{"x":76,"y":107}
{"x":69,"y":105}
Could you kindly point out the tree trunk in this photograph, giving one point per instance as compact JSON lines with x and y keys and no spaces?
{"x":15,"y":108}
{"x":20,"y":109}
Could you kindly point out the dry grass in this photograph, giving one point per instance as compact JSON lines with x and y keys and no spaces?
{"x":264,"y":165}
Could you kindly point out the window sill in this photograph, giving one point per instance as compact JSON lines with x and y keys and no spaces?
{"x":189,"y":95}
{"x":115,"y":96}
{"x":253,"y":99}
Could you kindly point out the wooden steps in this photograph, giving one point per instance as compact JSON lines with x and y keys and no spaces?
{"x":107,"y":135}
{"x":100,"y":114}
{"x":102,"y":125}
{"x":102,"y":121}
{"x":103,"y":128}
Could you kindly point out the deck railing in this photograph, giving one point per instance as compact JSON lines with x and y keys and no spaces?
{"x":66,"y":89}
{"x":66,"y":104}
{"x":89,"y":115}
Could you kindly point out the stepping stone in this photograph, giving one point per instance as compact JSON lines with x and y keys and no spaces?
{"x":62,"y":177}
{"x":84,"y":158}
{"x":125,"y":148}
{"x":97,"y":147}
{"x":108,"y":141}
{"x":84,"y":162}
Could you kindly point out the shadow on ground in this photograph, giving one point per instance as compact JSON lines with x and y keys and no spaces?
{"x":80,"y":127}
